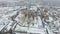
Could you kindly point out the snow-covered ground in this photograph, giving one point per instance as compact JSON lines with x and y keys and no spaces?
{"x":10,"y":17}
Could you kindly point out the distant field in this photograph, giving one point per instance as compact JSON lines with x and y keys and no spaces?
{"x":4,"y":3}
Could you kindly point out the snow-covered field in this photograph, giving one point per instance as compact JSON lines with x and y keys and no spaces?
{"x":10,"y":15}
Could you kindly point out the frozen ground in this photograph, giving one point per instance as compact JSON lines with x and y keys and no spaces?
{"x":10,"y":15}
